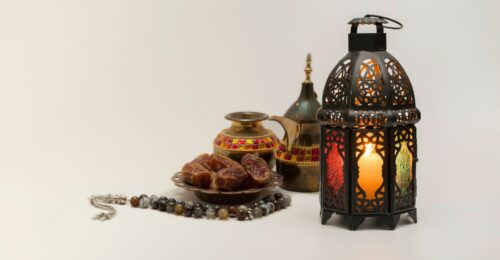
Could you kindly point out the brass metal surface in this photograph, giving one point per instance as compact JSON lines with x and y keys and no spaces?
{"x":292,"y":129}
{"x":247,"y":127}
{"x":302,"y":129}
{"x":308,"y":69}
{"x":302,"y":178}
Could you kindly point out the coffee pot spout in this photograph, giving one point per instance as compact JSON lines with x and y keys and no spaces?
{"x":291,"y":127}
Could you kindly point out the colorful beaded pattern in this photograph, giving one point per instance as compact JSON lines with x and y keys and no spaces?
{"x":238,"y":143}
{"x":298,"y":154}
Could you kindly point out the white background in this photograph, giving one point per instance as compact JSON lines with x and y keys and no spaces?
{"x":114,"y":96}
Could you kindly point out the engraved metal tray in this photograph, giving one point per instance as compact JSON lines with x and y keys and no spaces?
{"x":227,"y":197}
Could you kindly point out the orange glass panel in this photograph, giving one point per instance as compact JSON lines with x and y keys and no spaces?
{"x":370,"y":171}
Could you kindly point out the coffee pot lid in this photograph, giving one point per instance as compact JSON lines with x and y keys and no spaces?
{"x":305,"y":108}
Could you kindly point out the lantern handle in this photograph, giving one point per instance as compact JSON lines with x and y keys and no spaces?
{"x":400,"y":25}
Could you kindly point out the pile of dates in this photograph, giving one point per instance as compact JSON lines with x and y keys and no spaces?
{"x":218,"y":172}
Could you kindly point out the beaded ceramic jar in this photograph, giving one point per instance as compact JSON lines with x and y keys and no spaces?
{"x":247,"y":135}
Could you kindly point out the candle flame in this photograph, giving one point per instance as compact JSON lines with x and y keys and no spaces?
{"x":370,"y":171}
{"x":368,"y":149}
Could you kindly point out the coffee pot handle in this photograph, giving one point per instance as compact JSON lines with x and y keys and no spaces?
{"x":292,"y":129}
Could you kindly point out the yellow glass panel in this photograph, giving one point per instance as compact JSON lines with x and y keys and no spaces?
{"x":404,"y":162}
{"x":370,"y":171}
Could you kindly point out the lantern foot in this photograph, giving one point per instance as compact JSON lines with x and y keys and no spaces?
{"x":355,"y":221}
{"x":325,"y":215}
{"x":391,"y":220}
{"x":413,"y":215}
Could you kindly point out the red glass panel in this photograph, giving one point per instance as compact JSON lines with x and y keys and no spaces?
{"x":334,"y":169}
{"x":335,"y":190}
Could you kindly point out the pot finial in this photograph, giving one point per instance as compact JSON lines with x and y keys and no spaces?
{"x":308,"y":69}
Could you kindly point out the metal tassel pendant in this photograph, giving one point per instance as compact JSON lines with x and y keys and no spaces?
{"x":100,"y":201}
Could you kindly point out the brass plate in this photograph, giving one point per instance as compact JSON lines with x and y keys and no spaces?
{"x":227,"y":197}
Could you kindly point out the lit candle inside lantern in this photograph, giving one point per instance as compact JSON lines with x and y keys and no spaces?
{"x":370,"y":171}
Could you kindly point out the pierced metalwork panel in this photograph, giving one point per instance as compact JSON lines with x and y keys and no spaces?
{"x":407,"y":116}
{"x":369,"y":171}
{"x":369,"y":87}
{"x":403,"y":165}
{"x":369,"y":118}
{"x":402,"y":93}
{"x":335,"y":118}
{"x":335,"y":170}
{"x":337,"y":85}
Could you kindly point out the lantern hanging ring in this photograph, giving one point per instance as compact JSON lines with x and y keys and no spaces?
{"x":400,"y":25}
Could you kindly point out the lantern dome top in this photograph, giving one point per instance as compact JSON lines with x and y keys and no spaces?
{"x":368,"y":88}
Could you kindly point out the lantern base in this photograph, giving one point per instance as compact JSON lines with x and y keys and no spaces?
{"x":354,"y":221}
{"x":325,"y":216}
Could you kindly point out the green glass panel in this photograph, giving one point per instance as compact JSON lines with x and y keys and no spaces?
{"x":404,"y":174}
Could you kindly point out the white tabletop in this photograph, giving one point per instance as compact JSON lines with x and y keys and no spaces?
{"x":115,"y":96}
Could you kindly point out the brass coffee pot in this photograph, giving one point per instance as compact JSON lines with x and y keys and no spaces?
{"x":297,"y":157}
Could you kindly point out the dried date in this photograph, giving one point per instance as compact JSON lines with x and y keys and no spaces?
{"x":257,"y":169}
{"x":218,"y":162}
{"x":197,"y":175}
{"x":231,"y":179}
{"x":202,"y":159}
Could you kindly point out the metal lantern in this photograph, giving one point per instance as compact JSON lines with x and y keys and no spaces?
{"x":368,"y":137}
